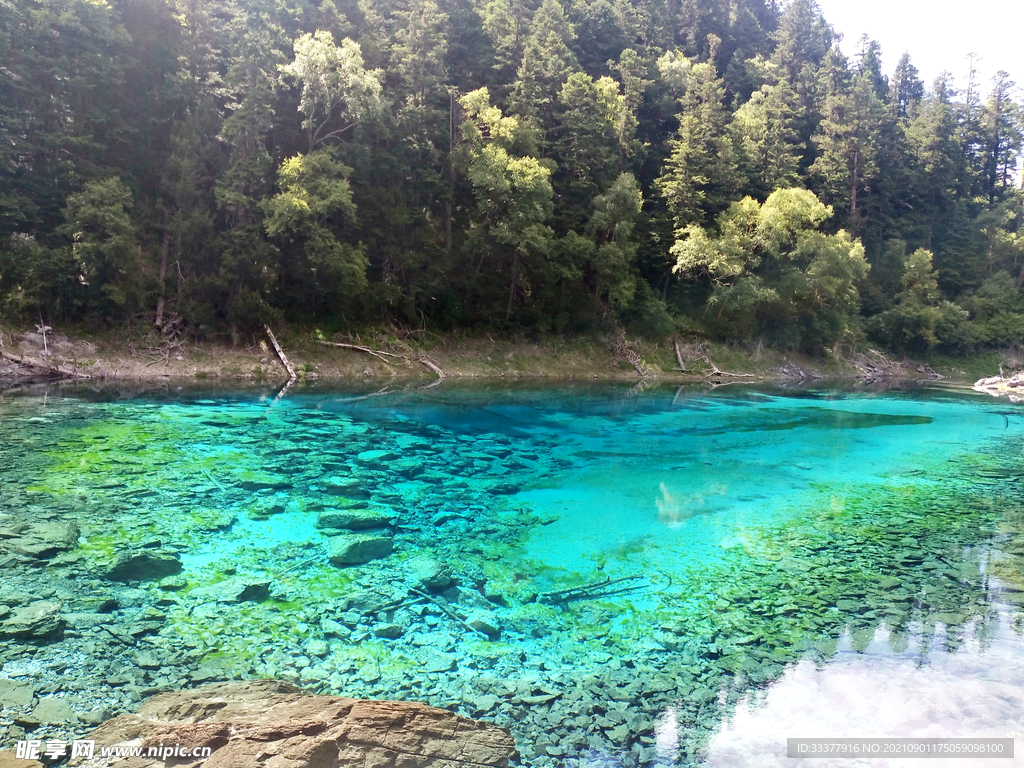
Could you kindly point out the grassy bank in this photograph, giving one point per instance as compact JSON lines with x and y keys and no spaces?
{"x":141,"y":355}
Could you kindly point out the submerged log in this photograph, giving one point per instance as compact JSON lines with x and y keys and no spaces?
{"x":593,"y":590}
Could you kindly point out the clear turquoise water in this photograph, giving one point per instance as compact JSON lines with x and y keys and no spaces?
{"x":761,"y":557}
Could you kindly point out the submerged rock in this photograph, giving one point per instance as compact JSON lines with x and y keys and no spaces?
{"x":145,"y":565}
{"x":44,"y":540}
{"x":429,"y":572}
{"x":49,"y":711}
{"x":236,"y":590}
{"x":16,"y":693}
{"x":38,"y":620}
{"x":353,"y":519}
{"x":486,"y":623}
{"x":389,"y":631}
{"x":434,"y":660}
{"x":890,"y":582}
{"x":252,"y":724}
{"x":349,"y":490}
{"x":357,"y":550}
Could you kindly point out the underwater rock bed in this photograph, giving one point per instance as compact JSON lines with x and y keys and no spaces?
{"x":570,"y":566}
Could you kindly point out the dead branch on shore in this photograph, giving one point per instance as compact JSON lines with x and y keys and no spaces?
{"x":432,"y":366}
{"x":679,"y":355}
{"x":716,"y":371}
{"x":292,"y":375}
{"x":621,"y":349}
{"x":55,"y":371}
{"x":378,"y":353}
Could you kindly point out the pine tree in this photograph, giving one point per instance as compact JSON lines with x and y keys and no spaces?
{"x":906,"y":91}
{"x":702,"y":174}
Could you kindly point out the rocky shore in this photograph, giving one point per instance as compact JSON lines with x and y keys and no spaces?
{"x":251,"y":724}
{"x":1011,"y":387}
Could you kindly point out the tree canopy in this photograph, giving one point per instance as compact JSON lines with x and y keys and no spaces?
{"x":516,"y":165}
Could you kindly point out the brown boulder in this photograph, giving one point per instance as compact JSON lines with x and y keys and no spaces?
{"x":273,"y":724}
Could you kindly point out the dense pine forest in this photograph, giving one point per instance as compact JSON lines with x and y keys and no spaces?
{"x":526,"y":166}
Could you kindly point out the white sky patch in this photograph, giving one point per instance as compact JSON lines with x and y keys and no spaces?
{"x":938,"y":34}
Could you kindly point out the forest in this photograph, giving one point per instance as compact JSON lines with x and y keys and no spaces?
{"x":713,"y":167}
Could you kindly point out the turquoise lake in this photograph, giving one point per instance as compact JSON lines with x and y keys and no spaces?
{"x":620,"y":576}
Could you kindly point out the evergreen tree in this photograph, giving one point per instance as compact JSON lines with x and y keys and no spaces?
{"x":702,"y":174}
{"x":906,"y":90}
{"x":547,"y":63}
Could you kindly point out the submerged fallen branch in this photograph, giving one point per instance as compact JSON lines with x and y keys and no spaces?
{"x":594,"y":590}
{"x":450,"y":613}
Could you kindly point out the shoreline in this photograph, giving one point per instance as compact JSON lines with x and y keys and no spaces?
{"x":25,"y":359}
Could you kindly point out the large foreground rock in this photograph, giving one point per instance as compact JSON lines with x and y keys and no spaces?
{"x":144,"y":565}
{"x":35,"y":621}
{"x":356,"y":550}
{"x":44,"y":540}
{"x":272,"y":724}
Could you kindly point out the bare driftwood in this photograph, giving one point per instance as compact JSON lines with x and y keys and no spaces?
{"x":379,"y":354}
{"x":716,"y":371}
{"x":280,"y":353}
{"x":432,"y":366}
{"x":57,"y":371}
{"x":679,"y":355}
{"x":621,"y":349}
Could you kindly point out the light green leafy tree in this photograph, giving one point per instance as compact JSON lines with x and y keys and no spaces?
{"x":513,"y":195}
{"x":772,"y":271}
{"x":105,"y":243}
{"x":338,"y":91}
{"x":315,"y":205}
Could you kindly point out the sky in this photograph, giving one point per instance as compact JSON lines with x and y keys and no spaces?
{"x":938,"y":34}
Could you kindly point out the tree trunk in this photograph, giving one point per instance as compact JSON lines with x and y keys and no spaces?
{"x":853,"y":193}
{"x":512,"y":286}
{"x":452,"y":140}
{"x":162,"y":276}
